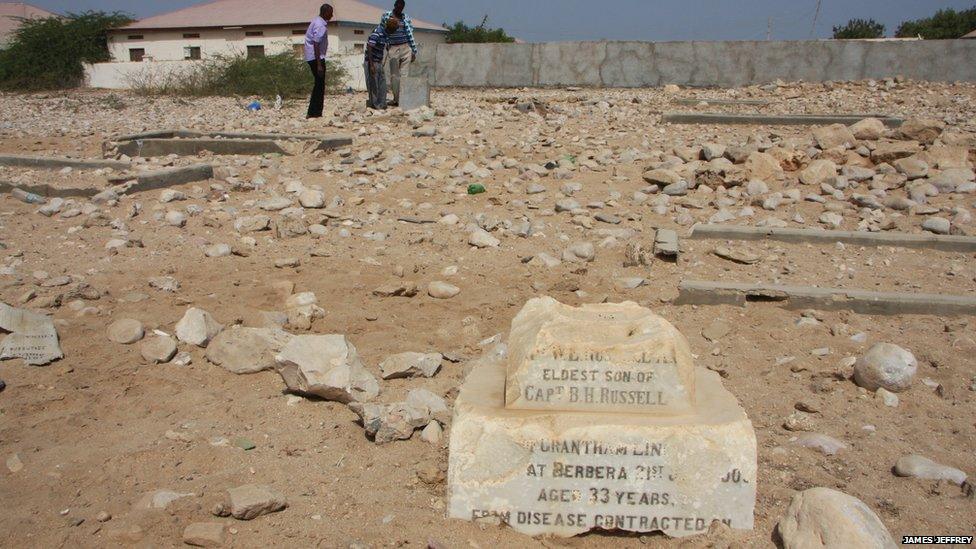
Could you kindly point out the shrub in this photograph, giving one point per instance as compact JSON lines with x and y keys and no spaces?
{"x":859,"y":29}
{"x":281,"y":74}
{"x":460,"y":33}
{"x":944,"y":25}
{"x":50,"y":53}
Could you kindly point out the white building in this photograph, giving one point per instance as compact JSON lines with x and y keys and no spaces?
{"x":252,"y":27}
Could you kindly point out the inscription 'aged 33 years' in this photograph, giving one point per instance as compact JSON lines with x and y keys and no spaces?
{"x":635,"y":491}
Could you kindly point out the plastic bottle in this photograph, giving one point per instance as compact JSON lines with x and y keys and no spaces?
{"x":27,"y":197}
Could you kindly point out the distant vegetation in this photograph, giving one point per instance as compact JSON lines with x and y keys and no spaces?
{"x":460,"y":33}
{"x":859,"y":29}
{"x":945,"y":24}
{"x":282,"y":74}
{"x":49,"y":53}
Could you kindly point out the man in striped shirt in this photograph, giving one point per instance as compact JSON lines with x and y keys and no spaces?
{"x":373,"y":64}
{"x":402,"y":49}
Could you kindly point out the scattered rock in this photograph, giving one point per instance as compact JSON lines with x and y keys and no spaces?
{"x":251,"y":501}
{"x":824,"y":444}
{"x":442,"y":290}
{"x":197,"y":327}
{"x":204,"y":534}
{"x":885,"y":366}
{"x":926,"y":469}
{"x":825,"y":518}
{"x":125,"y":331}
{"x":158,"y":349}
{"x":247,"y":350}
{"x":481,"y":238}
{"x":411,"y":365}
{"x":326,"y":366}
{"x":737,"y":256}
{"x":160,"y":499}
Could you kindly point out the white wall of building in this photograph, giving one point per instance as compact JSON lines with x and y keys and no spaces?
{"x":166,"y":45}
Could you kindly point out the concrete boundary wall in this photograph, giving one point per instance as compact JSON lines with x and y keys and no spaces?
{"x":700,"y":64}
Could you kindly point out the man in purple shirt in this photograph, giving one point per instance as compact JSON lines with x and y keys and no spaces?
{"x":316,"y":48}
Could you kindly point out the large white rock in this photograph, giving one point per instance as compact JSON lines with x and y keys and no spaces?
{"x":247,"y":350}
{"x":197,"y":327}
{"x":326,"y":366}
{"x":565,"y":472}
{"x":825,"y":518}
{"x":886,"y":366}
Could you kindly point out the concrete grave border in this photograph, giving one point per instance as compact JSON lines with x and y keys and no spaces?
{"x":694,"y":292}
{"x":817,"y":236}
{"x":188,"y":142}
{"x":773,"y":119}
{"x":58,"y":162}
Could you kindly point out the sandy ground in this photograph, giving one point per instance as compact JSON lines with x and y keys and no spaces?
{"x":100,"y":428}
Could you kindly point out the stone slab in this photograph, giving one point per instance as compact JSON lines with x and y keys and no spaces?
{"x":808,"y":297}
{"x":563,"y":474}
{"x":747,"y":102}
{"x":597,"y":358}
{"x":170,"y":177}
{"x":191,"y":147}
{"x":816,"y":236}
{"x":58,"y":162}
{"x":414,"y":92}
{"x":48,"y":191}
{"x":771,"y":119}
{"x":338,"y":139}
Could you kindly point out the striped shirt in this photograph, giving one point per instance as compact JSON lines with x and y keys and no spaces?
{"x":376,"y":44}
{"x":403,"y":34}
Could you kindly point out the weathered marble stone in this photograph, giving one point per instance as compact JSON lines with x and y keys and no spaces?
{"x":327,"y":366}
{"x":609,"y":358}
{"x":563,"y":470}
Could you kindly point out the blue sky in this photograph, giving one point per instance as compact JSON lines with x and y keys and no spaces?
{"x":657,"y":20}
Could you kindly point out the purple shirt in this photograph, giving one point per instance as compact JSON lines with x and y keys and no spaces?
{"x":317,"y":33}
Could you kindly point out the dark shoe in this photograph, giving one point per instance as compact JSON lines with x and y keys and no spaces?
{"x":393,"y":104}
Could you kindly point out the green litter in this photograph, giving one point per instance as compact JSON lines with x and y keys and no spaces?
{"x":244,"y":444}
{"x":476,"y":189}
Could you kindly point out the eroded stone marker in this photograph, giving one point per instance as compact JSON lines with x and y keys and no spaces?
{"x":596,"y":418}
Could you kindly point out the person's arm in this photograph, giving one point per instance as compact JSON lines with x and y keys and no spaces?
{"x":413,"y":43}
{"x":320,"y":36}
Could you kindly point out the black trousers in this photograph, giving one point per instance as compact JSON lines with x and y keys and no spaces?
{"x":317,"y":103}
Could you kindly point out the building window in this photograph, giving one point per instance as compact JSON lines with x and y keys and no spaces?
{"x":136,"y":55}
{"x":359,"y":31}
{"x":192,"y":52}
{"x":359,"y":47}
{"x":254,"y":52}
{"x":135,"y":37}
{"x":191,"y":35}
{"x":254,"y":33}
{"x":298,"y":32}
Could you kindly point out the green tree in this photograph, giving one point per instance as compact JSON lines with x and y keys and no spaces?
{"x":946,"y":24}
{"x":49,"y":53}
{"x":460,"y":33}
{"x":859,"y":29}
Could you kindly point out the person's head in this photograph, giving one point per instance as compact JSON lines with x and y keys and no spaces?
{"x":325,"y":12}
{"x":392,"y":24}
{"x":399,"y":5}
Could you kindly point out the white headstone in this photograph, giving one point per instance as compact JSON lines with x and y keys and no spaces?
{"x":667,"y":449}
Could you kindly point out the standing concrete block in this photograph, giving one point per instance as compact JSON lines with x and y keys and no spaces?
{"x":414,"y":92}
